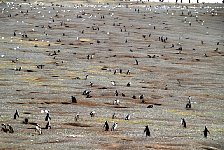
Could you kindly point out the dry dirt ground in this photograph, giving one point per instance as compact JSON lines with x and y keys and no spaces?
{"x":116,"y":34}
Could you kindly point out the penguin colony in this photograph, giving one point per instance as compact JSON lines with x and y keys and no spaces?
{"x":120,"y":87}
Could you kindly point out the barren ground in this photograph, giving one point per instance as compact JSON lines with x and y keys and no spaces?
{"x":189,"y":73}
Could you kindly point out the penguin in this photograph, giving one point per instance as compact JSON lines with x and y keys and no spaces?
{"x":113,"y":116}
{"x":183,"y":122}
{"x":114,"y":126}
{"x":206,"y":132}
{"x":142,"y":98}
{"x":47,"y":118}
{"x":74,"y":99}
{"x":92,"y":113}
{"x":25,"y":121}
{"x":127,"y":117}
{"x":4,"y":128}
{"x":188,"y":105}
{"x":136,"y":61}
{"x":146,"y":131}
{"x":16,"y":114}
{"x":91,"y":84}
{"x":150,"y":106}
{"x":10,"y":128}
{"x":106,"y":126}
{"x":86,"y":77}
{"x":129,"y":84}
{"x":189,"y":98}
{"x":116,"y":93}
{"x":120,"y":71}
{"x":116,"y":102}
{"x":40,"y":66}
{"x":77,"y":117}
{"x":180,"y":50}
{"x":86,"y":92}
{"x":113,"y":83}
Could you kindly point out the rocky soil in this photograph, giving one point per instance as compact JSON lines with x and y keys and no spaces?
{"x":62,"y":35}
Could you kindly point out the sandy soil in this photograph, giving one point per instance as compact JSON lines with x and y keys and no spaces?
{"x":116,"y":34}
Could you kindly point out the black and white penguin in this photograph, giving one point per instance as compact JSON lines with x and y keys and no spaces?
{"x":116,"y":102}
{"x":113,"y":83}
{"x":77,"y":117}
{"x":47,"y":118}
{"x":128,"y":84}
{"x":188,"y":105}
{"x":206,"y":132}
{"x":4,"y":128}
{"x":127,"y":117}
{"x":146,"y":131}
{"x":16,"y":114}
{"x":114,"y":126}
{"x":106,"y":126}
{"x":92,"y":113}
{"x":183,"y":122}
{"x":10,"y":128}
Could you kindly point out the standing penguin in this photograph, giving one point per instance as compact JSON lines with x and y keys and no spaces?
{"x":183,"y":122}
{"x":142,"y":98}
{"x":116,"y":93}
{"x":26,"y":121}
{"x":146,"y":131}
{"x":47,"y":118}
{"x":77,"y":117}
{"x":113,"y":116}
{"x":10,"y":128}
{"x":206,"y":132}
{"x":127,"y":117}
{"x":16,"y":114}
{"x":74,"y":99}
{"x":106,"y":126}
{"x":188,"y":105}
{"x":92,"y":113}
{"x":114,"y":127}
{"x":136,"y":62}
